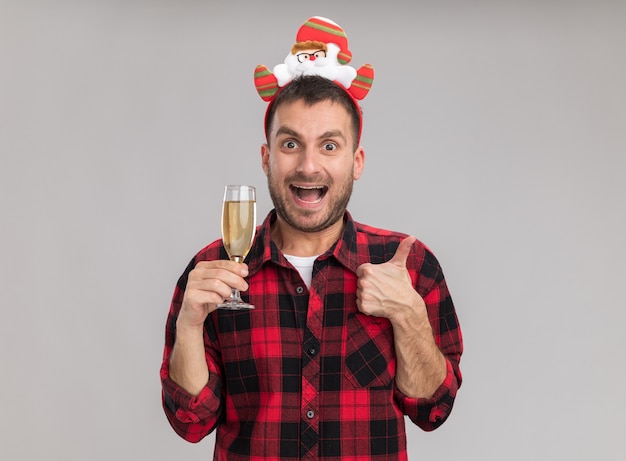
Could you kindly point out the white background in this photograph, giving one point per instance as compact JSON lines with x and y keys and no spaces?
{"x":495,"y":131}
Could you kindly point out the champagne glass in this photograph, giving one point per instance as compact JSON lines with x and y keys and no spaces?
{"x":238,"y":227}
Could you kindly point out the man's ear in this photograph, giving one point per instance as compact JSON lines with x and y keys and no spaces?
{"x":359,"y":163}
{"x":265,"y":157}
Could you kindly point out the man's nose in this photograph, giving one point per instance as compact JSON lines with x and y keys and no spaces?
{"x":309,"y":161}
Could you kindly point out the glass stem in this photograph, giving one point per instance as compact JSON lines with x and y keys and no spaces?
{"x":234,"y":294}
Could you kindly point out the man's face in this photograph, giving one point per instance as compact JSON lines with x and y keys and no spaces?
{"x":310,"y":164}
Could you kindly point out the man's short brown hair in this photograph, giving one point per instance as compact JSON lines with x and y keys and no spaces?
{"x":314,"y":89}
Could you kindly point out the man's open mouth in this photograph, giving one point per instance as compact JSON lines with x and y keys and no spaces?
{"x":309,"y":194}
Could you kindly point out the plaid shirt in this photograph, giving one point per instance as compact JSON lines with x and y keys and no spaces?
{"x":305,"y":375}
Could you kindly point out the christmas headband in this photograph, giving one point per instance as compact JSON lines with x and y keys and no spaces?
{"x":321,"y":48}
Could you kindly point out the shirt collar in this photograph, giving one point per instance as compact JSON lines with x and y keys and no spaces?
{"x":345,"y":250}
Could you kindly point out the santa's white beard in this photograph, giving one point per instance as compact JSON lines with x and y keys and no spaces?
{"x":321,"y":66}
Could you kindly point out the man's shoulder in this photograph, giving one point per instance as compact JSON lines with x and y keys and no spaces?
{"x":377,"y":232}
{"x":213,"y":250}
{"x":383,"y":240}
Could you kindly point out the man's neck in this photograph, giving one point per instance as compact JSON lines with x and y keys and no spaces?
{"x":298,"y":243}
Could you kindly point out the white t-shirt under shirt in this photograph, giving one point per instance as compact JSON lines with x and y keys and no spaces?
{"x":304,"y":264}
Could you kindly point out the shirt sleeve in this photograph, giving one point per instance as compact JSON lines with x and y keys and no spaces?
{"x":431,"y":413}
{"x":191,"y":417}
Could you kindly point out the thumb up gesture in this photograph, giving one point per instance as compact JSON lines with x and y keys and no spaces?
{"x":385,"y":290}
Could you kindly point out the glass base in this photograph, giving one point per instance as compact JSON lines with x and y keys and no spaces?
{"x":235,"y":306}
{"x":235,"y":303}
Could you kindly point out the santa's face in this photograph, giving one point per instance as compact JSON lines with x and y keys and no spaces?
{"x":312,"y":61}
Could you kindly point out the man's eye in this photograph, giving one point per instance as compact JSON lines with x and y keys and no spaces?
{"x":330,"y":146}
{"x":290,"y":144}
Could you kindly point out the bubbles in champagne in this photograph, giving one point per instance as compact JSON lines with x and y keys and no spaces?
{"x":238,"y":226}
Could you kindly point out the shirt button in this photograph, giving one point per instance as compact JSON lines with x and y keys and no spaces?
{"x":312,"y":351}
{"x":299,"y":290}
{"x":310,"y":414}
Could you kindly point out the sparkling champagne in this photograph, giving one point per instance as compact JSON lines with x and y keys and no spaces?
{"x":238,"y":226}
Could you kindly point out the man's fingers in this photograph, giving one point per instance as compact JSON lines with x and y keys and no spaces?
{"x":240,"y":269}
{"x":211,"y":279}
{"x":402,"y":253}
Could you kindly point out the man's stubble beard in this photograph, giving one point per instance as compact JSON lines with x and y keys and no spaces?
{"x":336,"y":211}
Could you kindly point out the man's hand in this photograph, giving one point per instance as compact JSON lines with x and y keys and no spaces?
{"x":385,"y":290}
{"x":209,"y":283}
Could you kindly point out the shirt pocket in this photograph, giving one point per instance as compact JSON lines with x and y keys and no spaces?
{"x":370,"y":355}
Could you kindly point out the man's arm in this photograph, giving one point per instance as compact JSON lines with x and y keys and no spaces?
{"x":188,"y":367}
{"x":421,"y":367}
{"x":192,"y":385}
{"x":209,"y":283}
{"x":385,"y":290}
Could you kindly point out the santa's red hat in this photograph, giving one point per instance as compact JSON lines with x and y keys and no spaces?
{"x":319,"y":29}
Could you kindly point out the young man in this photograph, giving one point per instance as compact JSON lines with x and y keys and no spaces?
{"x":354,"y":326}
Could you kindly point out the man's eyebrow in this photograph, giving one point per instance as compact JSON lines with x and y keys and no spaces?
{"x":334,"y":134}
{"x":288,"y":131}
{"x":285,"y":130}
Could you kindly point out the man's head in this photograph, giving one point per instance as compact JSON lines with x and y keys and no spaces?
{"x":312,"y":90}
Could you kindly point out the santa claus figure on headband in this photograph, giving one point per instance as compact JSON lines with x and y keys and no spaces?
{"x":321,"y":49}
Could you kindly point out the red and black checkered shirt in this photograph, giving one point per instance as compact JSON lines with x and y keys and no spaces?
{"x":305,"y":375}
